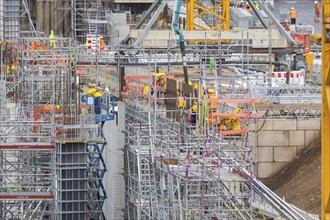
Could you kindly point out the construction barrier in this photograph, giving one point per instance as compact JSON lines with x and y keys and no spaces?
{"x":296,"y":78}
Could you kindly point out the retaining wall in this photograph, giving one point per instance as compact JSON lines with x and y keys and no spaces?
{"x":280,"y":141}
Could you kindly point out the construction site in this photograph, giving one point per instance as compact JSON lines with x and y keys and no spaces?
{"x":164,"y":109}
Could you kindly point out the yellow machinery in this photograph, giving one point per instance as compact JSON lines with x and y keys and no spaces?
{"x":325,"y":181}
{"x":196,"y":10}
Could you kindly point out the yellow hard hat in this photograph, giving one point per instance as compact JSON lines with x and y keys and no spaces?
{"x":210,"y":91}
{"x":190,"y":83}
{"x":160,"y":74}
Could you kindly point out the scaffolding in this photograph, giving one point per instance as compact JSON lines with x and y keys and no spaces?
{"x":51,"y":141}
{"x":178,"y":168}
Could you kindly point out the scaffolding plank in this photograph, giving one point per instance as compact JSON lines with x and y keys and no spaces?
{"x":27,"y":146}
{"x":27,"y":196}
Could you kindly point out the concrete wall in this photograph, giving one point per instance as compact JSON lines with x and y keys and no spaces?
{"x":281,"y":141}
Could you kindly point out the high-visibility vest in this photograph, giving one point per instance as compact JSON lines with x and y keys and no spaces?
{"x":182,"y":103}
{"x":293,"y":14}
{"x":213,"y":101}
{"x":146,"y":90}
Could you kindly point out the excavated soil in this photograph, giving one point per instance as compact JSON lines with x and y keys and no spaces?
{"x":300,"y":182}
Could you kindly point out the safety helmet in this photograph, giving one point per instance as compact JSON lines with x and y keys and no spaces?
{"x":292,"y":8}
{"x":210,"y":91}
{"x":315,"y":2}
{"x":286,"y":21}
{"x":160,"y":74}
{"x":190,"y":83}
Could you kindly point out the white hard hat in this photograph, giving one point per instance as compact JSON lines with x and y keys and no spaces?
{"x":286,"y":21}
{"x":315,"y":2}
{"x":292,"y":8}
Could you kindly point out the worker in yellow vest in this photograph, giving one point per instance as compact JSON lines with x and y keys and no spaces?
{"x":52,"y":36}
{"x":213,"y":99}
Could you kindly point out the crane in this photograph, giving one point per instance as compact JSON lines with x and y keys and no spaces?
{"x":325,"y":181}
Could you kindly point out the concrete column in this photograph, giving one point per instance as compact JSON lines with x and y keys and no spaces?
{"x":59,"y":19}
{"x":67,"y":18}
{"x":40,"y":15}
{"x":52,"y":15}
{"x":47,"y":14}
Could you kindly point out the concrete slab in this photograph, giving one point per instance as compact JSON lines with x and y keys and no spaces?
{"x":273,"y":138}
{"x":284,"y":154}
{"x":265,"y":154}
{"x":283,"y":125}
{"x":266,"y":125}
{"x":309,"y":124}
{"x":297,"y":138}
{"x":311,"y":135}
{"x":266,"y":170}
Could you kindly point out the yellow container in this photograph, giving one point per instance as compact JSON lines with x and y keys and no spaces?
{"x":309,"y":58}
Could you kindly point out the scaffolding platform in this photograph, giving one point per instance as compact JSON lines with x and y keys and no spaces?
{"x":27,"y":196}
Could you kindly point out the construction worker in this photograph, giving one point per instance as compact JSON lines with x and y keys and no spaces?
{"x":286,"y":25}
{"x":102,"y":44}
{"x":230,"y":123}
{"x":161,"y":80}
{"x":257,"y":5}
{"x":317,"y":11}
{"x":98,"y":99}
{"x":51,"y":36}
{"x":249,"y":8}
{"x":293,"y":15}
{"x":213,"y":100}
{"x":50,"y":106}
{"x":240,"y":4}
{"x":145,"y":90}
{"x":192,"y":114}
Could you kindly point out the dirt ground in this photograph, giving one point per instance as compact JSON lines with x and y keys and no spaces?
{"x":300,"y":181}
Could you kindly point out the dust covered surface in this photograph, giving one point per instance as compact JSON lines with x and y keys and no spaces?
{"x":300,"y":181}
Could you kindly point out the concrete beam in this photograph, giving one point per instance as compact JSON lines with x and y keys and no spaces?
{"x":258,"y":38}
{"x":242,"y":34}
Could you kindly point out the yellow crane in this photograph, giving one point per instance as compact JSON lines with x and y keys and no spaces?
{"x":325,"y":181}
{"x":195,"y":10}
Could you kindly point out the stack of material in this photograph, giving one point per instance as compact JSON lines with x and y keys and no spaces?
{"x":304,"y":29}
{"x":241,"y":18}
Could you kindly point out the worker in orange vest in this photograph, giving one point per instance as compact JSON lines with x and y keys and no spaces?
{"x":249,"y":8}
{"x":293,"y":15}
{"x":287,"y":25}
{"x":317,"y":11}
